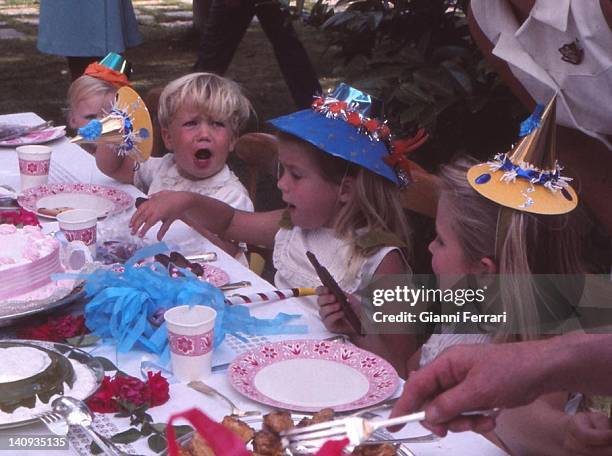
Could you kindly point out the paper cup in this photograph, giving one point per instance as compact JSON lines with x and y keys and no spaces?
{"x":80,"y":225}
{"x":191,"y":334}
{"x":34,"y":162}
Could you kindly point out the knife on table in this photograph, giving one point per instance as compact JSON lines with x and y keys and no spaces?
{"x":328,"y":281}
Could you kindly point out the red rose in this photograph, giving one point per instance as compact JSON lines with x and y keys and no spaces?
{"x":103,"y":400}
{"x":130,"y":389}
{"x":41,"y":332}
{"x":159,"y":388}
{"x":68,"y":326}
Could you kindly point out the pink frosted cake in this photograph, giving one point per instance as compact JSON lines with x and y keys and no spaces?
{"x":28,"y":257}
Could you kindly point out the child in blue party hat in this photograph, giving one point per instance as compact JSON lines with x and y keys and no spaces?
{"x":340,"y":178}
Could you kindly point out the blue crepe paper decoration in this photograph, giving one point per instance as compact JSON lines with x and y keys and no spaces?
{"x":122,"y":303}
{"x":92,"y":130}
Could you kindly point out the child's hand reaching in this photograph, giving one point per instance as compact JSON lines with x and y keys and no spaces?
{"x":165,"y":206}
{"x":330,"y":311}
{"x":589,"y":433}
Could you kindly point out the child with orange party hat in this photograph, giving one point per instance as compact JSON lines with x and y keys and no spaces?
{"x":340,"y":179}
{"x":91,"y":95}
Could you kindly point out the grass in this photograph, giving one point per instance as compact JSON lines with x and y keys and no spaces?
{"x":36,"y":82}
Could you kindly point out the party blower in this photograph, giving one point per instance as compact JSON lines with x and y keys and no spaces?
{"x":128,"y":127}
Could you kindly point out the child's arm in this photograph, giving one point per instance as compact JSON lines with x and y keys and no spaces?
{"x":589,"y":433}
{"x":395,"y":348}
{"x":205,"y":213}
{"x":118,"y":167}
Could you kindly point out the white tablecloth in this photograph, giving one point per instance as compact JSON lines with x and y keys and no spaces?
{"x":70,"y":163}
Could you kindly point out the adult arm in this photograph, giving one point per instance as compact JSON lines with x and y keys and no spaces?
{"x":466,"y":378}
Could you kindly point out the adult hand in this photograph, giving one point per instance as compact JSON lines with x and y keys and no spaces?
{"x":467,"y":378}
{"x":589,"y":433}
{"x":331,"y":313}
{"x":165,"y":206}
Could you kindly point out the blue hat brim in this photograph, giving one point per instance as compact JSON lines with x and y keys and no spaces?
{"x":338,"y":138}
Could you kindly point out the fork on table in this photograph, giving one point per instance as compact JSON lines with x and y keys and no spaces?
{"x":57,"y":424}
{"x":355,"y":429}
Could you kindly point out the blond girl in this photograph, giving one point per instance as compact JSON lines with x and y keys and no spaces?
{"x":342,"y":204}
{"x":91,"y":95}
{"x":494,"y":223}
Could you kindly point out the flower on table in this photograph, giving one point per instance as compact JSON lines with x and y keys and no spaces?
{"x":124,"y":393}
{"x":160,"y":390}
{"x":56,"y":329}
{"x":130,"y":389}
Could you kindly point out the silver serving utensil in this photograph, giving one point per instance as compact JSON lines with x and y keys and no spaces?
{"x":209,"y":391}
{"x":76,"y":413}
{"x":54,"y":422}
{"x":208,"y":256}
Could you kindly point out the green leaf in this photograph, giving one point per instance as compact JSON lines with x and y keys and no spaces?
{"x":129,"y":436}
{"x":157,"y":443}
{"x":159,"y":427}
{"x":94,"y":448}
{"x":433,"y":80}
{"x":182,"y":430}
{"x":106,"y":364}
{"x":146,"y":428}
{"x":412,"y":113}
{"x":411,"y":92}
{"x":86,"y":340}
{"x":459,"y":75}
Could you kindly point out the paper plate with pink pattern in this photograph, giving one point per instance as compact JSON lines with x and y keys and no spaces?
{"x":51,"y":199}
{"x":308,"y":375}
{"x":36,"y":137}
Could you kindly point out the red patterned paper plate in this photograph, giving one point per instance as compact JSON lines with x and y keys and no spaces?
{"x":44,"y":199}
{"x":308,"y":375}
{"x":36,"y":137}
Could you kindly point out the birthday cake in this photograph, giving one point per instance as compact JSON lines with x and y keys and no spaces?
{"x":28,"y":258}
{"x":31,"y":373}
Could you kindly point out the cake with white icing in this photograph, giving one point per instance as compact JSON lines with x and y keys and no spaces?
{"x":30,"y":374}
{"x":28,"y":258}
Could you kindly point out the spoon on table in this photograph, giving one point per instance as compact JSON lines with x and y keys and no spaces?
{"x":76,"y":413}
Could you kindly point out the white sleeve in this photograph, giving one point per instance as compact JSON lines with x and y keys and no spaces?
{"x":236,"y":196}
{"x":145,"y":173}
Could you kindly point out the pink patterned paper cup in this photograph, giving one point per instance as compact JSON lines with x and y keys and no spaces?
{"x":34,"y":163}
{"x":190,"y":335}
{"x":80,"y":225}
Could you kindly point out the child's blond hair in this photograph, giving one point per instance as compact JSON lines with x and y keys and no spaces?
{"x":217,"y":97}
{"x":85,"y":87}
{"x":522,"y":245}
{"x":375,"y":203}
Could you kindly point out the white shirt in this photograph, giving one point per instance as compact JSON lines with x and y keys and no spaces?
{"x":351,"y":270}
{"x":157,"y":174}
{"x":531,"y":51}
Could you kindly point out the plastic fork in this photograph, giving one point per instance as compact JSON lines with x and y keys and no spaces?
{"x":356,"y":429}
{"x":209,"y":391}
